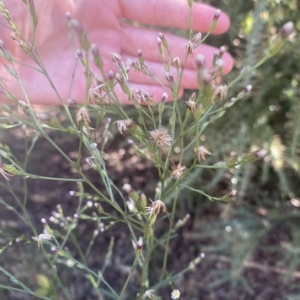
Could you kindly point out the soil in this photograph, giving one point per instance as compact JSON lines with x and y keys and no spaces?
{"x":263,"y":273}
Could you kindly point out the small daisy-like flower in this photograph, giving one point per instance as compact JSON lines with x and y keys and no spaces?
{"x":162,"y":138}
{"x":156,"y":208}
{"x":219,"y":62}
{"x":221,"y":92}
{"x":41,"y":238}
{"x":201,"y":153}
{"x":82,"y":115}
{"x":123,"y":124}
{"x":177,"y":171}
{"x":175,"y":294}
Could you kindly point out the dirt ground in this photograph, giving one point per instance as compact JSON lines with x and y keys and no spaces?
{"x":263,"y":273}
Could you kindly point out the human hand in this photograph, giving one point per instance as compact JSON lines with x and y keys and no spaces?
{"x":101,"y":19}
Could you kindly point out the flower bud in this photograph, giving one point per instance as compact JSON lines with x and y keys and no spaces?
{"x":163,"y":39}
{"x":97,"y":58}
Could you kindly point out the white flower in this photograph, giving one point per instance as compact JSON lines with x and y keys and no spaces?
{"x":41,"y":238}
{"x":175,"y":294}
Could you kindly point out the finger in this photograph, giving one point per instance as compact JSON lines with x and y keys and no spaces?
{"x":155,"y":92}
{"x":188,"y":81}
{"x":145,"y":39}
{"x":173,"y":13}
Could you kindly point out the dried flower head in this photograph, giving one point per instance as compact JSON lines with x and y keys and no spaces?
{"x":162,"y":138}
{"x":201,"y":153}
{"x":177,"y":171}
{"x":221,"y":92}
{"x":191,"y":105}
{"x":82,"y":115}
{"x":123,"y":124}
{"x":156,"y":208}
{"x":41,"y":238}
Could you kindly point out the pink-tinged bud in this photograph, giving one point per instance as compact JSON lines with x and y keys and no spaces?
{"x":189,"y":47}
{"x":217,"y":14}
{"x":216,"y":55}
{"x":72,"y":193}
{"x":232,"y":193}
{"x":68,"y":16}
{"x":163,"y":39}
{"x":79,"y":54}
{"x":215,"y":20}
{"x":110,"y":75}
{"x":176,"y":62}
{"x":169,"y":77}
{"x":164,"y":97}
{"x":97,"y":58}
{"x":127,"y":187}
{"x":130,"y":142}
{"x":76,"y":216}
{"x":248,"y":88}
{"x":200,"y":61}
{"x":108,"y":121}
{"x":287,"y":29}
{"x":71,"y":102}
{"x":43,"y":221}
{"x":280,"y":40}
{"x":160,"y":46}
{"x":54,"y":249}
{"x":77,"y":26}
{"x":139,"y":244}
{"x":222,"y":51}
{"x":140,"y":56}
{"x":197,"y":39}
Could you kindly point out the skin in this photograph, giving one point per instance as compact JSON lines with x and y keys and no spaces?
{"x":102,"y":20}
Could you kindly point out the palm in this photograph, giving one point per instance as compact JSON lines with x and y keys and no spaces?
{"x":101,"y":19}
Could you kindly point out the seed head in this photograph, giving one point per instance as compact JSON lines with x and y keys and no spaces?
{"x":162,"y":138}
{"x":177,"y":171}
{"x":201,"y":153}
{"x":191,"y":105}
{"x":123,"y":124}
{"x":156,"y":208}
{"x":82,"y":115}
{"x":221,"y":92}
